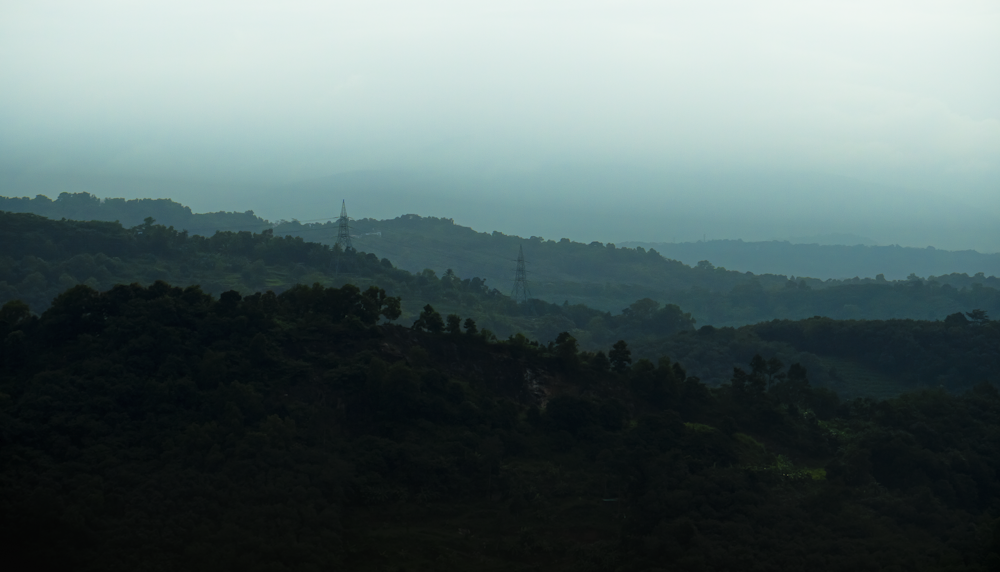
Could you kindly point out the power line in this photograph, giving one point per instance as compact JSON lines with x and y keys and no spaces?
{"x":344,"y":229}
{"x":520,"y":293}
{"x":325,"y":228}
{"x":448,"y":255}
{"x":324,"y":224}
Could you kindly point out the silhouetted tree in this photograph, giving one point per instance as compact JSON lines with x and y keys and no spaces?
{"x":600,"y":362}
{"x":470,"y":327}
{"x":429,"y":320}
{"x":620,"y":356}
{"x":978,"y":316}
{"x":454,"y":324}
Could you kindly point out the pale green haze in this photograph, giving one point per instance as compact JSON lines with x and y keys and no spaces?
{"x":611,"y":121}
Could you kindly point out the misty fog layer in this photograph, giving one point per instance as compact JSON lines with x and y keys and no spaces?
{"x":596,"y":121}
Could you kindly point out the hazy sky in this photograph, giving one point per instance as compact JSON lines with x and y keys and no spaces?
{"x":905,"y":95}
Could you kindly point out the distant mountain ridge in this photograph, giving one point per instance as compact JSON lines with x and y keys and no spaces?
{"x":834,"y":240}
{"x":838,"y":262}
{"x":636,"y":205}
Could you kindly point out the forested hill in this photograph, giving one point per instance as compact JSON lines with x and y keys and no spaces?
{"x":427,"y":242}
{"x":414,"y":243}
{"x":556,"y":267}
{"x":84,"y":206}
{"x":856,"y":358}
{"x":609,"y":278}
{"x":161,"y":428}
{"x":42,"y":257}
{"x":600,"y":276}
{"x":585,"y":272}
{"x":831,"y":261}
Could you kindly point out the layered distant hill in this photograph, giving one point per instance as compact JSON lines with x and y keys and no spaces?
{"x":605,"y":277}
{"x":41,"y":258}
{"x":609,"y":277}
{"x":132,"y":212}
{"x":825,"y":261}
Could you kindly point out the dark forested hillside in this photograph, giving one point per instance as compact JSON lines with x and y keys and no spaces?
{"x":42,"y":257}
{"x":874,"y":358}
{"x":161,"y":428}
{"x":951,"y":353}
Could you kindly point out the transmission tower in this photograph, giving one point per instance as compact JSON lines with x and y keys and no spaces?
{"x":344,"y":232}
{"x":520,"y":293}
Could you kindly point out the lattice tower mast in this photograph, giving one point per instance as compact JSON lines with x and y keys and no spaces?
{"x":520,"y":293}
{"x":344,"y":230}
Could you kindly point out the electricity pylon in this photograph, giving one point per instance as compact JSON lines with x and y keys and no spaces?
{"x":520,"y":293}
{"x":344,"y":232}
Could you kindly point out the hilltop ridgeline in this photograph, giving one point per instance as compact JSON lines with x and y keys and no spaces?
{"x":132,"y":212}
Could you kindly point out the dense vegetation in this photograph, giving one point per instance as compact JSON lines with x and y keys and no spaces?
{"x":249,"y":422}
{"x":872,"y":358}
{"x":162,"y":428}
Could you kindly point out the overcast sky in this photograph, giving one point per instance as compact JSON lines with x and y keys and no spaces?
{"x":901,"y":94}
